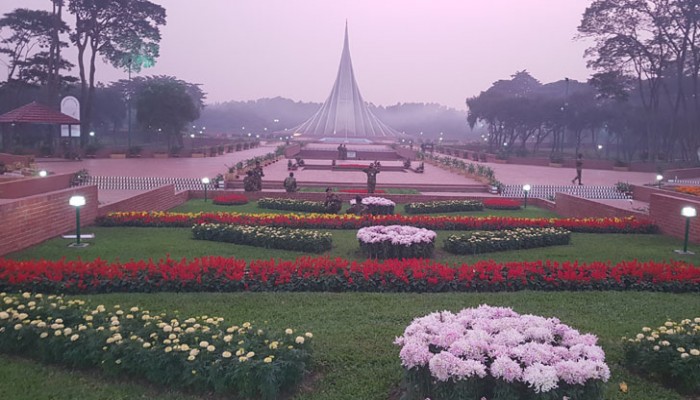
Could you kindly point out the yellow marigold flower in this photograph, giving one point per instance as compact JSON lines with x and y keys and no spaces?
{"x":203,"y":343}
{"x":695,"y":352}
{"x":211,"y":348}
{"x":226,"y":354}
{"x":250,"y":354}
{"x":44,"y":335}
{"x":685,"y":355}
{"x":299,"y":340}
{"x":19,"y":326}
{"x":309,"y":335}
{"x":267,"y":360}
{"x":190,"y":358}
{"x":680,"y":350}
{"x":74,"y":337}
{"x":146,"y":345}
{"x":288,"y":331}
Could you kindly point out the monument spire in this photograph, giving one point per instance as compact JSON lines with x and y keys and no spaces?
{"x":344,"y":113}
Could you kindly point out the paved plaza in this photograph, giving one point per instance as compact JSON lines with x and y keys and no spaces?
{"x":508,"y":174}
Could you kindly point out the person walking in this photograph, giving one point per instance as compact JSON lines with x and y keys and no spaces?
{"x":579,"y":168}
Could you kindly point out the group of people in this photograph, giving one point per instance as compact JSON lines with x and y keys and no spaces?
{"x":333,"y":204}
{"x":253,"y":179}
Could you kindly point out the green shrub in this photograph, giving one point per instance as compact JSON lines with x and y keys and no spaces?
{"x":264,"y":236}
{"x":512,"y":239}
{"x":292,"y":205}
{"x":669,"y":354}
{"x":443,"y":206}
{"x":197,"y":354}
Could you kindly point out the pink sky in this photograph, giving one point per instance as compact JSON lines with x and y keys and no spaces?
{"x":402,"y":50}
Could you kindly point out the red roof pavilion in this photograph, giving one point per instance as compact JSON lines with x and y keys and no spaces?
{"x":37,"y":113}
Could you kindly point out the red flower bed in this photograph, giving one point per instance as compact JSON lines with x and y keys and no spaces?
{"x":230,"y":200}
{"x":345,"y":221}
{"x":360,"y":191}
{"x":216,"y":273}
{"x":351,"y":166}
{"x":502,"y":204}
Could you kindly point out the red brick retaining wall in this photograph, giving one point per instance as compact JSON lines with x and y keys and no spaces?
{"x":687,"y":173}
{"x":159,"y":199}
{"x":665,"y":210}
{"x":31,"y":220}
{"x":573,"y":206}
{"x":35,"y":185}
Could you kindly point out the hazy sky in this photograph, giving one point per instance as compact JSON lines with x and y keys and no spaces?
{"x":402,"y":50}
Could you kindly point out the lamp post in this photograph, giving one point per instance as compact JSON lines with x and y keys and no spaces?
{"x":659,"y":178}
{"x":43,"y":173}
{"x":128,"y":109}
{"x":77,"y":202}
{"x":526,"y":190}
{"x":205,"y":182}
{"x":688,"y":212}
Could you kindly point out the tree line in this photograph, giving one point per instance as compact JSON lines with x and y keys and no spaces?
{"x":643,"y":97}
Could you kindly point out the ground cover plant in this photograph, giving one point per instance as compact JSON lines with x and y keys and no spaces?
{"x":262,"y":236}
{"x":669,"y":354}
{"x":496,"y":353}
{"x":230,"y":200}
{"x":396,"y":241}
{"x":433,"y":207}
{"x":502,"y":204}
{"x":478,"y":242}
{"x":199,"y":353}
{"x":291,"y":205}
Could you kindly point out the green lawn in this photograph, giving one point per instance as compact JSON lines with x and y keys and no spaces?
{"x":353,"y":332}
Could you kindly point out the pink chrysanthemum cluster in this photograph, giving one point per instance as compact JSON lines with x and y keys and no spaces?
{"x":477,"y":342}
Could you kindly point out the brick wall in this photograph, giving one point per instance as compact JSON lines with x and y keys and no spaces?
{"x":643,"y":193}
{"x":406,"y":152}
{"x":573,"y":206}
{"x":34,"y":185}
{"x":687,"y":173}
{"x":292,"y":150}
{"x":31,"y":220}
{"x":665,"y":210}
{"x":159,"y":199}
{"x":9,"y":159}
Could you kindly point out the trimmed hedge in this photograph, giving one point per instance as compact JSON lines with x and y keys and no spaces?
{"x":292,"y":205}
{"x":263,"y":236}
{"x":512,"y":239}
{"x":443,"y":206}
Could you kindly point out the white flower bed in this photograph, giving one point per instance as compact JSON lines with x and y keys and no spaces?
{"x":396,"y":241}
{"x":494,"y":352}
{"x":377,"y":205}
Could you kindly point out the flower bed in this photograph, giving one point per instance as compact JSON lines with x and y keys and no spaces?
{"x":512,"y":239}
{"x":692,"y":190}
{"x":396,"y":241}
{"x":200,"y":354}
{"x":230,"y":200}
{"x":502,"y":204}
{"x":443,"y":206}
{"x":496,"y":353}
{"x":378,"y":205}
{"x":669,"y":353}
{"x":291,"y":205}
{"x":348,"y":221}
{"x":263,"y":236}
{"x":319,"y":274}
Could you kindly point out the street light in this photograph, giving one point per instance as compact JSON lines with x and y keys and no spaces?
{"x":128,"y":109}
{"x":659,"y":178}
{"x":205,"y":181}
{"x":526,"y":189}
{"x":688,"y":212}
{"x":43,"y":173}
{"x":77,"y":202}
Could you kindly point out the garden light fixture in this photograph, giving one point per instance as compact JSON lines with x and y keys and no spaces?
{"x":659,"y":178}
{"x":688,"y":212}
{"x":205,"y":182}
{"x":526,"y":190}
{"x":43,"y":173}
{"x":77,"y":202}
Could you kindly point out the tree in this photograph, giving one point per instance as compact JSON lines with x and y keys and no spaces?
{"x":121,"y":31}
{"x":164,"y":106}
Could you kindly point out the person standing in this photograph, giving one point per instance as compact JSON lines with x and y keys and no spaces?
{"x":290,"y":183}
{"x":257,"y":176}
{"x":371,"y":172}
{"x":579,"y":169}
